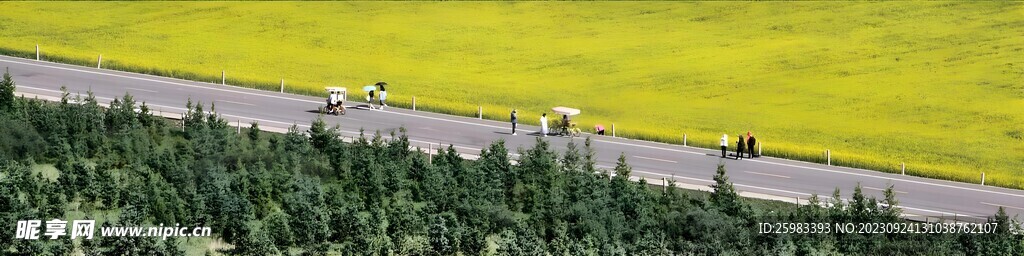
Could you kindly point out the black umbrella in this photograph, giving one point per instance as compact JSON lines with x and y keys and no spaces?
{"x":381,"y":83}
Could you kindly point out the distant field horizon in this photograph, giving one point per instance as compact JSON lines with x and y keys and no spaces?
{"x":938,"y":86}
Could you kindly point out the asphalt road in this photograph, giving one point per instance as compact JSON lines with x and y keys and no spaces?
{"x":764,"y":177}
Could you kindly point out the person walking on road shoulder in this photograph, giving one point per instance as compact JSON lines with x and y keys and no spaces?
{"x":725,"y":144}
{"x":369,"y":100}
{"x":383,"y":95}
{"x":740,"y":145}
{"x":544,"y":124}
{"x":514,"y":119}
{"x":750,"y":144}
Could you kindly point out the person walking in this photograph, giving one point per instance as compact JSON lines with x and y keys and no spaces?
{"x":383,"y":94}
{"x":750,"y":144}
{"x":514,"y":121}
{"x":544,"y":124}
{"x":369,"y":100}
{"x":725,"y":144}
{"x":740,"y":145}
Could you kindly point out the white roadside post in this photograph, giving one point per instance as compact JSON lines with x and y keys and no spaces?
{"x":664,"y":185}
{"x":282,"y":85}
{"x":99,"y":61}
{"x":903,"y":168}
{"x":479,"y":112}
{"x":828,"y":157}
{"x":684,"y":139}
{"x":238,"y":123}
{"x":613,"y":130}
{"x":983,"y":178}
{"x":413,"y":103}
{"x":37,"y":52}
{"x":223,"y":79}
{"x":430,"y":153}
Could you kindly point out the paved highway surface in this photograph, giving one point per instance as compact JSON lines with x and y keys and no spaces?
{"x":763,"y":177}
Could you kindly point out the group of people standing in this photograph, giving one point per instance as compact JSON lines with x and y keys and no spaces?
{"x":741,"y":145}
{"x":514,"y":117}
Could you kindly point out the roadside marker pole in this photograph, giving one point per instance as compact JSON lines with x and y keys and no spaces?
{"x":684,"y":139}
{"x":828,"y":156}
{"x":282,"y":85}
{"x":413,"y":103}
{"x":430,"y":153}
{"x":223,"y":79}
{"x":613,"y":130}
{"x":479,"y":112}
{"x":983,"y":178}
{"x":238,"y":123}
{"x":183,"y":122}
{"x":903,"y":168}
{"x":99,"y":61}
{"x":664,"y":185}
{"x":759,"y":149}
{"x":37,"y":52}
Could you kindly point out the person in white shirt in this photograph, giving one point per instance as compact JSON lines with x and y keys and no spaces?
{"x":382,"y":96}
{"x":333,"y":100}
{"x":725,"y":143}
{"x":544,"y":124}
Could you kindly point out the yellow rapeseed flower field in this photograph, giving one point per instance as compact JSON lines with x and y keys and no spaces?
{"x":938,"y":85}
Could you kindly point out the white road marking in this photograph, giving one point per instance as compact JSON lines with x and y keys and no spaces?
{"x":772,"y":189}
{"x":232,"y":102}
{"x":880,"y":189}
{"x":768,"y":174}
{"x":650,"y":147}
{"x":826,"y":170}
{"x":137,"y":89}
{"x":656,"y":159}
{"x":896,"y":179}
{"x":161,"y":81}
{"x":950,"y":214}
{"x":1004,"y":206}
{"x":23,"y":86}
